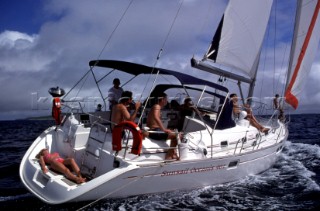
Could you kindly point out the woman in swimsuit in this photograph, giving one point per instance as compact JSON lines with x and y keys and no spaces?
{"x":60,"y":165}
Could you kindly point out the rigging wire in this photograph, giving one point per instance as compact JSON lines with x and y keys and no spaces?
{"x":264,"y":64}
{"x":282,"y":101}
{"x":99,"y":55}
{"x":274,"y":48}
{"x":275,"y":81}
{"x":204,"y":23}
{"x":209,"y":10}
{"x":156,"y":61}
{"x":169,"y":32}
{"x":278,"y":80}
{"x":288,"y":61}
{"x":77,"y":83}
{"x":114,"y":30}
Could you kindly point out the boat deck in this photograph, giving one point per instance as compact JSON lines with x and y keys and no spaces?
{"x":223,"y":149}
{"x":43,"y":178}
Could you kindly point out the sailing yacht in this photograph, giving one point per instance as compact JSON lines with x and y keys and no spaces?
{"x":212,"y":147}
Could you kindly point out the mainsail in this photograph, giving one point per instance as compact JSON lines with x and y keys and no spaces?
{"x":238,"y":41}
{"x":304,"y":47}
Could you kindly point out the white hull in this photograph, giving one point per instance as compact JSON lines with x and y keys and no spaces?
{"x":187,"y":175}
{"x":149,"y":172}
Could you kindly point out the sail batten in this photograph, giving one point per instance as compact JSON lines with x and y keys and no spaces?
{"x":305,"y":43}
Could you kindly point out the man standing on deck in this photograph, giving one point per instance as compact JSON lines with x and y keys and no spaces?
{"x":114,"y":93}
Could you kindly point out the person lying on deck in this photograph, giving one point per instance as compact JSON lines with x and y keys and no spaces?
{"x":247,"y":114}
{"x":60,"y":165}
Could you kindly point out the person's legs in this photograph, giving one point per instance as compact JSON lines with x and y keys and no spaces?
{"x":60,"y":167}
{"x":160,"y":135}
{"x":255,"y":123}
{"x":172,"y":154}
{"x":72,"y":163}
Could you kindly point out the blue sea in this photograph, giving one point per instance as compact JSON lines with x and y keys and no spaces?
{"x":293,"y":183}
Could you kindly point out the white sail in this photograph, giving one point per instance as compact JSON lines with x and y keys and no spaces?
{"x":304,"y":47}
{"x":241,"y":36}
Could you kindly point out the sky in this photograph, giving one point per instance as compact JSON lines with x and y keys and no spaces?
{"x":48,"y":43}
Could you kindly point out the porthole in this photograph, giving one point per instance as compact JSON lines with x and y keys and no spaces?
{"x":223,"y":144}
{"x":233,"y":164}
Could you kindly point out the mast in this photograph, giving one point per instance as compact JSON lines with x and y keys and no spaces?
{"x":253,"y":82}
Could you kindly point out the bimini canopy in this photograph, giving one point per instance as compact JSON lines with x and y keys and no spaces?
{"x":163,"y":87}
{"x":137,"y":69}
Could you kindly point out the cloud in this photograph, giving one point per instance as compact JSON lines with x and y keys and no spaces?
{"x":311,"y":94}
{"x":19,"y":53}
{"x":17,"y":40}
{"x":75,"y":32}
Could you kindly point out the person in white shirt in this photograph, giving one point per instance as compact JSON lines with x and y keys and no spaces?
{"x":114,"y":93}
{"x":238,"y":113}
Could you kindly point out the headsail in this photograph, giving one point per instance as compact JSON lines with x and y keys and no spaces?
{"x":304,"y":47}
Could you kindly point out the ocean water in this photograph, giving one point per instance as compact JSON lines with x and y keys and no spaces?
{"x":293,"y":183}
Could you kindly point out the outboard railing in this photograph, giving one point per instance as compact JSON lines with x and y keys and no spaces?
{"x":257,"y":142}
{"x":235,"y":147}
{"x":242,"y":140}
{"x":239,"y":145}
{"x":245,"y":143}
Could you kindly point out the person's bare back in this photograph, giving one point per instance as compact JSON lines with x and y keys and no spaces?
{"x":119,"y":113}
{"x":154,"y":118}
{"x":161,"y":133}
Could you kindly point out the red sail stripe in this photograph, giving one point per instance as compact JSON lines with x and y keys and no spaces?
{"x":290,"y":98}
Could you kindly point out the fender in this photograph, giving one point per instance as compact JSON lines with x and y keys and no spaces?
{"x":117,"y":135}
{"x":56,"y":110}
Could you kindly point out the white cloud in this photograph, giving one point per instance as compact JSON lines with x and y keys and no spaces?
{"x":17,"y":40}
{"x":76,"y":32}
{"x":19,"y":53}
{"x":314,"y":73}
{"x":311,"y":90}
